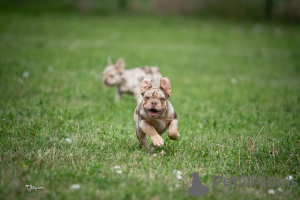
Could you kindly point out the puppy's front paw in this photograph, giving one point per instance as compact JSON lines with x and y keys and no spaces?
{"x":157,"y":141}
{"x":174,"y":136}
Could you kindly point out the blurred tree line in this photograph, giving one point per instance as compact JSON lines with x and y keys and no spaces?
{"x":284,"y":10}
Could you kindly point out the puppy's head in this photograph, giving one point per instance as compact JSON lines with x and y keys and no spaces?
{"x":112,"y":73}
{"x":155,"y":100}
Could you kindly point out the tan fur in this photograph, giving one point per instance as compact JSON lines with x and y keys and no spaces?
{"x":155,"y":114}
{"x":128,"y":81}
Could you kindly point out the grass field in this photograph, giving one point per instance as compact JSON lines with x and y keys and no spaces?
{"x":235,"y":88}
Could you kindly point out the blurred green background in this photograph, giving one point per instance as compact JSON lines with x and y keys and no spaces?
{"x":234,"y":66}
{"x":276,"y":10}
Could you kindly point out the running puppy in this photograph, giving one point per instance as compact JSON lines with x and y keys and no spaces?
{"x":155,"y":114}
{"x":128,"y":81}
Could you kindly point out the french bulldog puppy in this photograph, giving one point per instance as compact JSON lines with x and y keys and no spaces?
{"x":128,"y":81}
{"x":155,"y":114}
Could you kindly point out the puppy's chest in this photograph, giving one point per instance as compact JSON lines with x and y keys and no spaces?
{"x":160,"y":125}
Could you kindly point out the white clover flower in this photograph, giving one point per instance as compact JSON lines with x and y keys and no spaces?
{"x":162,"y":152}
{"x":119,"y":171}
{"x":75,"y":186}
{"x":271,"y":191}
{"x":68,"y":140}
{"x":280,"y":189}
{"x":177,"y":185}
{"x":178,"y":176}
{"x":177,"y":172}
{"x":25,"y":74}
{"x":50,"y":69}
{"x":117,"y":167}
{"x":289,"y":177}
{"x":233,"y":80}
{"x":154,"y":155}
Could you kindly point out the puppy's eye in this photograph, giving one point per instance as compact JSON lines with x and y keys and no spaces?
{"x":162,"y":99}
{"x":147,"y":98}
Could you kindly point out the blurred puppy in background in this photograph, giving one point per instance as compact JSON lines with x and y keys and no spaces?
{"x":128,"y":81}
{"x":155,"y":114}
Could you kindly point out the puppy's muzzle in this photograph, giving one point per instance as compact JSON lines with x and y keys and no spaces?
{"x":106,"y":82}
{"x":153,"y":103}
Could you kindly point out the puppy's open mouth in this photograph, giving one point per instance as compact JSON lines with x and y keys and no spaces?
{"x":153,"y":112}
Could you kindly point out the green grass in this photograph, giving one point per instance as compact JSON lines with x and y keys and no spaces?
{"x":228,"y":80}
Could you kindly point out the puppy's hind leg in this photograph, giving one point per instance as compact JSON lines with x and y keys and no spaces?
{"x":142,"y":139}
{"x":173,"y":130}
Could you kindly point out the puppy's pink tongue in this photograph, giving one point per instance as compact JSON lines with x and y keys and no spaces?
{"x":152,"y":113}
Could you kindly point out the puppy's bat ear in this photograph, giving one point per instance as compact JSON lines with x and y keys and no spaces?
{"x":109,"y":61}
{"x":166,"y":85}
{"x":120,"y":65}
{"x":145,"y":85}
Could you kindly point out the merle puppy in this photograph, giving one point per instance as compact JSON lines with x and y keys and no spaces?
{"x":128,"y":81}
{"x":155,"y":114}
